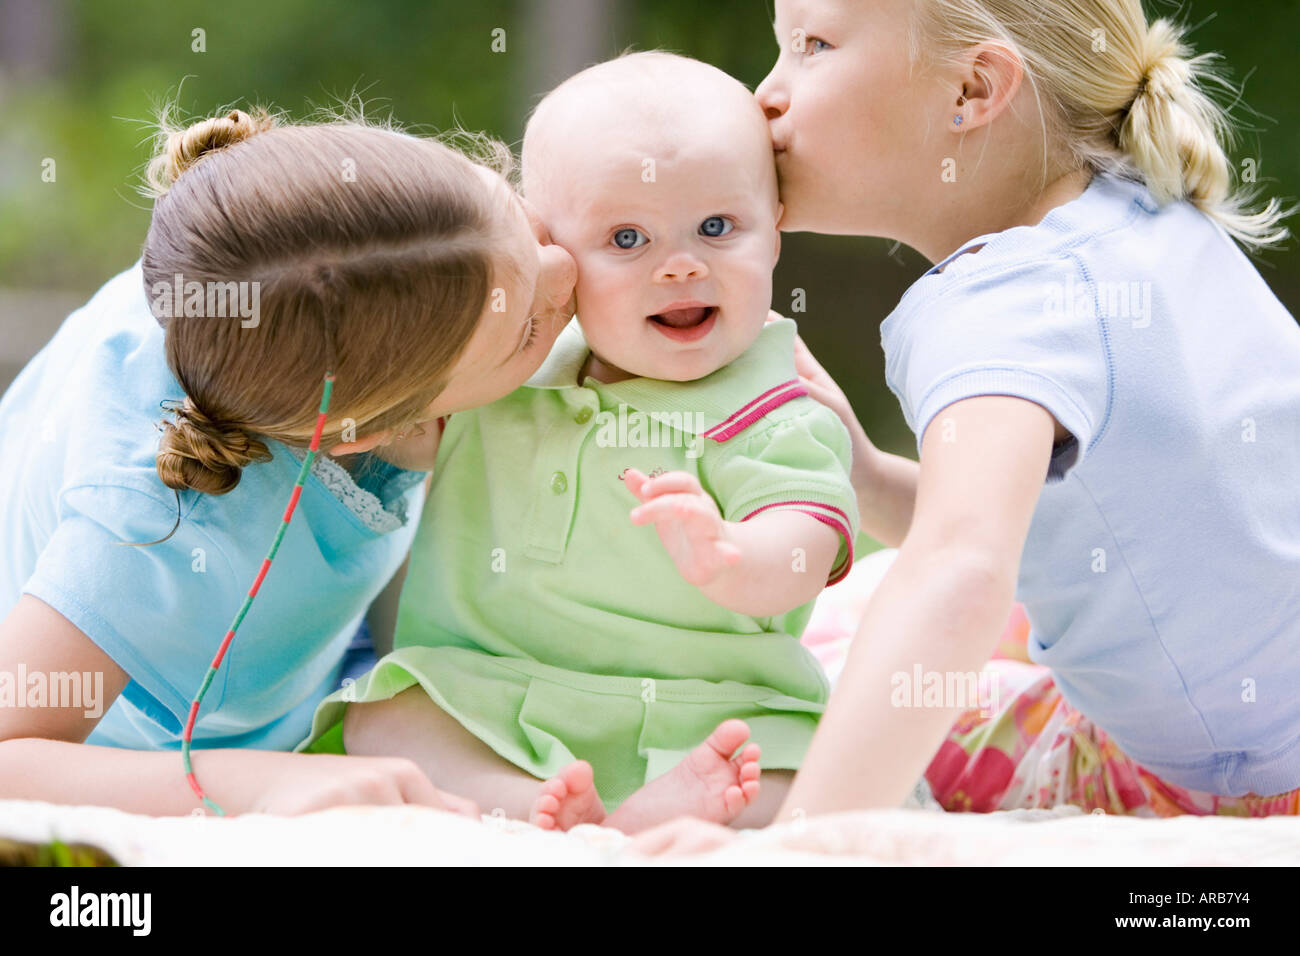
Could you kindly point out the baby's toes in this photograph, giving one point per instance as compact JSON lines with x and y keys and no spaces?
{"x":544,"y":812}
{"x":748,"y":772}
{"x":734,"y":799}
{"x":729,"y":735}
{"x":746,"y":763}
{"x":546,"y":808}
{"x":556,"y":788}
{"x":576,"y":778}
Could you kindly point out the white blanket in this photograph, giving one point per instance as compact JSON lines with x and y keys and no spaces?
{"x":417,"y":836}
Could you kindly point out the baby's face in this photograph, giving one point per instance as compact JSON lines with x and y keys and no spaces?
{"x":675,"y":236}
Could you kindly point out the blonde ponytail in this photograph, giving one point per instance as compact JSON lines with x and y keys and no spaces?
{"x":1174,"y":135}
{"x":1116,"y":95}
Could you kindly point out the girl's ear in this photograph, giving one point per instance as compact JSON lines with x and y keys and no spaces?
{"x":989,"y":81}
{"x":360,"y":445}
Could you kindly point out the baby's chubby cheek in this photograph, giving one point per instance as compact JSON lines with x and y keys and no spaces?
{"x":750,"y":298}
{"x":610,"y":308}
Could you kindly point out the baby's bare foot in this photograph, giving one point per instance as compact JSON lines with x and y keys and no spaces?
{"x":567,"y":799}
{"x":709,"y":784}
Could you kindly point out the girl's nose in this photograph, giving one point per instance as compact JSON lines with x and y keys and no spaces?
{"x":680,"y":267}
{"x":772,"y":97}
{"x":539,"y":228}
{"x":559,"y":275}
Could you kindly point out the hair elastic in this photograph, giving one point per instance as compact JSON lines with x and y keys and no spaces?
{"x":252,"y":593}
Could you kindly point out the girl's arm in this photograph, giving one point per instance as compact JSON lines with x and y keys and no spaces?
{"x":240,"y":781}
{"x":942,"y":605}
{"x":42,"y":756}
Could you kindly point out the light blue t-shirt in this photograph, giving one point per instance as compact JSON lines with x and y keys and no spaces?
{"x":1161,"y":574}
{"x":77,"y":476}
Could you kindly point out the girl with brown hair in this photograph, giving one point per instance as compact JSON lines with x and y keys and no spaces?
{"x":276,"y":252}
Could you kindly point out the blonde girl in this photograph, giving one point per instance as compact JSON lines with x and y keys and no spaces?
{"x":413,"y":272}
{"x":1106,"y":398}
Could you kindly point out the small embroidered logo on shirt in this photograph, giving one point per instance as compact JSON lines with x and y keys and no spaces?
{"x":654,"y":474}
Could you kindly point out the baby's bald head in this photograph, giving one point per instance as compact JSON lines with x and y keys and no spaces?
{"x":643,"y":106}
{"x":656,"y":173}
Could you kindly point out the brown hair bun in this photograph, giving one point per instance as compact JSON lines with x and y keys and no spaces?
{"x":197,"y":452}
{"x":184,"y":147}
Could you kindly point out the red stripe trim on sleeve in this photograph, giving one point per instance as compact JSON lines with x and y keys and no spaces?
{"x":752,"y":412}
{"x":754,"y":401}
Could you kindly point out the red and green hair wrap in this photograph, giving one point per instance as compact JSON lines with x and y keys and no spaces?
{"x":252,"y":593}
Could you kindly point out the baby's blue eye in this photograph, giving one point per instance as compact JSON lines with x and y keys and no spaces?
{"x":715,"y":226}
{"x":629,"y":238}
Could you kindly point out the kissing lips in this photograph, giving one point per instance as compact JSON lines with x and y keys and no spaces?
{"x":685,"y":325}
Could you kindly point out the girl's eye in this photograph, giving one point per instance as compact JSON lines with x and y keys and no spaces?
{"x":629,"y":238}
{"x":812,"y":45}
{"x":715,"y":226}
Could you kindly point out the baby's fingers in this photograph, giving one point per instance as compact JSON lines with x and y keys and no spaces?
{"x":690,"y":510}
{"x":673,"y":482}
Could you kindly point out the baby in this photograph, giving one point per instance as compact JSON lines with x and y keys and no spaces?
{"x":554,"y":630}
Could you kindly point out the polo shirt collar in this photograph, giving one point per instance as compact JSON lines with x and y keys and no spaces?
{"x":718,"y":406}
{"x":562,"y":364}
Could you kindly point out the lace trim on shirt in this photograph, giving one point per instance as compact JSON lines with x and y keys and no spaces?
{"x":364,"y":504}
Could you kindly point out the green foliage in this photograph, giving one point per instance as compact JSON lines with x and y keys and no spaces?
{"x":55,"y":853}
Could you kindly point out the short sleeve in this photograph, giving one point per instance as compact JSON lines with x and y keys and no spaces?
{"x":1030,"y":332}
{"x":154,"y":610}
{"x":801,"y":462}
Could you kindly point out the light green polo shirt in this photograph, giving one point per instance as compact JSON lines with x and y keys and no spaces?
{"x":548,"y":624}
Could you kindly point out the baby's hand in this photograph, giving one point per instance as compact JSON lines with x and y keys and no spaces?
{"x":688,"y":522}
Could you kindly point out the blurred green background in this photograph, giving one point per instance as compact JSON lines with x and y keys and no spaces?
{"x":79,"y":81}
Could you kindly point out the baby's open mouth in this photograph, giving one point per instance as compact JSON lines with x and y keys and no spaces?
{"x":687,"y":324}
{"x":684,"y":318}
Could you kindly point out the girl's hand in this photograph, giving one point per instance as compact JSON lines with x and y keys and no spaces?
{"x":823,"y":388}
{"x":682,"y":836}
{"x":815,"y":378}
{"x":688,"y":521}
{"x":311,"y":782}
